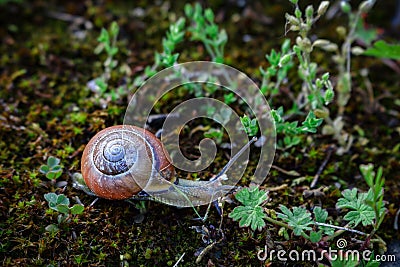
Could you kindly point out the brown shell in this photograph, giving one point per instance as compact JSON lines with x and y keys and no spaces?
{"x":120,"y":161}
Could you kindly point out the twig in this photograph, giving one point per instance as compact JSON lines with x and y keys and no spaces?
{"x":277,"y":188}
{"x":396,"y":220}
{"x":93,"y":202}
{"x":290,"y":173}
{"x":206,"y":250}
{"x":341,"y":228}
{"x":176,"y":264}
{"x":329,"y":151}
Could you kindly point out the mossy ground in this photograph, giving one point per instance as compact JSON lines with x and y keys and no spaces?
{"x":46,"y":109}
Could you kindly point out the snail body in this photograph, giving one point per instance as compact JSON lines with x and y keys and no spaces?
{"x":123,"y":160}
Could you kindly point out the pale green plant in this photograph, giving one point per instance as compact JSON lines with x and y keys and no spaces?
{"x":52,"y":169}
{"x":302,"y":25}
{"x":60,"y":203}
{"x":108,"y":44}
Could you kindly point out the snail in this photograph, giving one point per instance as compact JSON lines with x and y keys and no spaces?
{"x":123,"y":161}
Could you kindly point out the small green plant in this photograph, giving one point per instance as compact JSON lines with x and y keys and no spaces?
{"x":304,"y":47}
{"x":316,"y":90}
{"x":52,"y":169}
{"x":201,"y":28}
{"x":100,"y":85}
{"x":366,"y":208}
{"x":60,"y":203}
{"x":343,"y":57}
{"x":205,"y":30}
{"x":251,"y":213}
{"x":291,"y":130}
{"x":107,"y":43}
{"x":250,"y":125}
{"x":229,"y":98}
{"x":167,"y":57}
{"x":280,"y":64}
{"x":300,"y":221}
{"x":360,"y":211}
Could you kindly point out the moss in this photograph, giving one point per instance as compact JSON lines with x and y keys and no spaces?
{"x":46,"y":109}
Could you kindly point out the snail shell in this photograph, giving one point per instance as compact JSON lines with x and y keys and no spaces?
{"x":122,"y":160}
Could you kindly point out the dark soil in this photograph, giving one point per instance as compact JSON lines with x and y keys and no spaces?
{"x":46,"y":109}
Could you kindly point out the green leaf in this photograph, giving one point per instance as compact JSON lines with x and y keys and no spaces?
{"x":44,"y":169}
{"x":58,"y":174}
{"x":365,"y":217}
{"x":114,"y":28}
{"x":249,"y":216}
{"x":51,"y":175}
{"x":315,"y":236}
{"x":299,"y":219}
{"x":62,"y":208}
{"x":62,"y":199}
{"x":56,"y":168}
{"x":367,"y":172}
{"x":367,"y":35}
{"x":251,"y":197}
{"x":209,"y":15}
{"x":320,"y":214}
{"x":311,"y":123}
{"x":329,"y":95}
{"x":51,"y":197}
{"x":77,"y":209}
{"x":381,"y":49}
{"x":52,"y":161}
{"x":188,"y":10}
{"x":104,"y":37}
{"x":250,"y":125}
{"x":360,"y":212}
{"x":113,"y":51}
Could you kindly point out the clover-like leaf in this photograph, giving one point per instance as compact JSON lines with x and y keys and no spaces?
{"x":62,"y":208}
{"x":51,"y":175}
{"x":51,"y":197}
{"x":62,"y":199}
{"x":53,"y":161}
{"x":77,"y":209}
{"x":44,"y":169}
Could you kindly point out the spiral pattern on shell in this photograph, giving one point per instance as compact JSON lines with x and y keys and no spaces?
{"x":122,"y":160}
